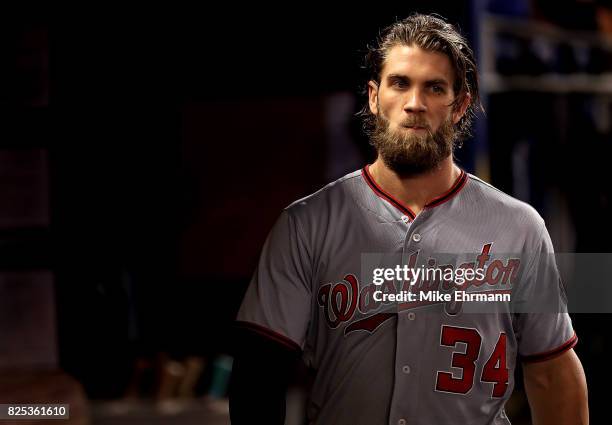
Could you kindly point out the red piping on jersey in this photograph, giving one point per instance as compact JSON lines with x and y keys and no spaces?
{"x":455,"y":188}
{"x":381,"y":193}
{"x":268,"y":333}
{"x":552,"y":353}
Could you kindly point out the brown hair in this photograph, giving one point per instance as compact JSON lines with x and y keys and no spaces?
{"x":433,"y":34}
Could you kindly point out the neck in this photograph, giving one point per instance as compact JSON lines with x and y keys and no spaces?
{"x":416,"y":191}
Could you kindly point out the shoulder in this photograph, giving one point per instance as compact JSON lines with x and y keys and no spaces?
{"x":494,"y":203}
{"x":328,"y":197}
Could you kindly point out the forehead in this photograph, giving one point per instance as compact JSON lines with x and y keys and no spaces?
{"x":414,"y":62}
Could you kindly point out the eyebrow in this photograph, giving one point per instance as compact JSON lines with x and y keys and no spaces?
{"x":435,"y":81}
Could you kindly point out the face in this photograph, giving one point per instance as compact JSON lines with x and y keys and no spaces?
{"x":414,"y":116}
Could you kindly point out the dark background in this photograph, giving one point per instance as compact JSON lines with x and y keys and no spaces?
{"x":170,"y":141}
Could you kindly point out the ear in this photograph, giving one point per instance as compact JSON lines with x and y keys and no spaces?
{"x":373,"y":96}
{"x":460,"y":110}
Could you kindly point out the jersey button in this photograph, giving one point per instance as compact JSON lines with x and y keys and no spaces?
{"x":405,"y":219}
{"x":406,"y":369}
{"x":401,"y":422}
{"x":416,"y":237}
{"x":411,"y":316}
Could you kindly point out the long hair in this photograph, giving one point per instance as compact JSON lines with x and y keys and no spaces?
{"x":436,"y":35}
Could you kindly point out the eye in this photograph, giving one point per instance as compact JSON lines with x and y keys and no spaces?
{"x":399,"y":83}
{"x":437,"y":89}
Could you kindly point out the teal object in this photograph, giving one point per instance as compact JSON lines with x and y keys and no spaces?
{"x":222,"y":370}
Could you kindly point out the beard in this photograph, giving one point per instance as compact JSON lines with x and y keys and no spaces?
{"x":409,"y":153}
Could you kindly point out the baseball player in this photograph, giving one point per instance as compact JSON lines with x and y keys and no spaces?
{"x":421,"y":361}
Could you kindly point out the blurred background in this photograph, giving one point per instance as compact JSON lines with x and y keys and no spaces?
{"x":145,"y":156}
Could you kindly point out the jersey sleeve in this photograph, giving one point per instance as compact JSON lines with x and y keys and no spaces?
{"x":543,"y":327}
{"x":277,"y":302}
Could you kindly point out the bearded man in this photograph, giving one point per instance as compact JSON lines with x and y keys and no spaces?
{"x":407,"y":363}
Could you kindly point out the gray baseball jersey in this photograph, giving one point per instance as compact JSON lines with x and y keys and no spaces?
{"x":401,"y":363}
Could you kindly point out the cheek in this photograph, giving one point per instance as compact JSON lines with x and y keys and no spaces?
{"x":444,"y":114}
{"x":389,"y":101}
{"x":393,"y":107}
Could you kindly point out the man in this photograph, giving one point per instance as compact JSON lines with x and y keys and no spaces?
{"x":383,"y":362}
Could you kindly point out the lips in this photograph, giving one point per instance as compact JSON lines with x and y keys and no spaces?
{"x":415,"y":125}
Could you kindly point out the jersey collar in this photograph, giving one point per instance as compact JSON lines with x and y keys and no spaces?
{"x":439,"y":200}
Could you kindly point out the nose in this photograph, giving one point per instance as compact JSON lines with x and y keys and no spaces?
{"x":415,"y":101}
